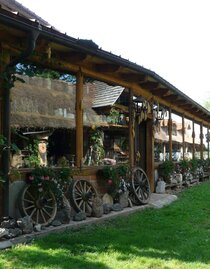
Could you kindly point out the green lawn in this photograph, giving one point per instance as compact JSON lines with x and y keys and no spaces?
{"x":177,"y":236}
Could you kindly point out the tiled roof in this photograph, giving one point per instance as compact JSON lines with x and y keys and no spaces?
{"x":106,"y":95}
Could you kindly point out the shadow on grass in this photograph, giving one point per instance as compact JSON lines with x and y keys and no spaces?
{"x":176,"y":232}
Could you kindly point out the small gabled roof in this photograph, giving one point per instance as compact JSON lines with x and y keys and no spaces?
{"x":106,"y":95}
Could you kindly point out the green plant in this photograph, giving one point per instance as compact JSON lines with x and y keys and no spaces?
{"x":166,"y":169}
{"x":184,"y":165}
{"x":194,"y":164}
{"x":113,"y":116}
{"x":97,"y":152}
{"x":32,"y":160}
{"x":47,"y":178}
{"x":112,"y":175}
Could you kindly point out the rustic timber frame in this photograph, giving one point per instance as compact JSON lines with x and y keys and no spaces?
{"x":57,"y":51}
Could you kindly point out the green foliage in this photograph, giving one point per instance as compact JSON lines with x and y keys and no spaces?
{"x":32,"y":160}
{"x":194,"y":164}
{"x":206,"y":164}
{"x":166,"y":168}
{"x":96,"y":145}
{"x":33,"y":70}
{"x":184,"y":165}
{"x":112,"y":175}
{"x":48,"y":178}
{"x":113,"y":116}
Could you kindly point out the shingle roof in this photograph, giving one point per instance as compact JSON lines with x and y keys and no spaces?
{"x":106,"y":95}
{"x":15,"y":7}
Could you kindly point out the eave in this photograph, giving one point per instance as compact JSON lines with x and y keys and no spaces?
{"x":58,"y":51}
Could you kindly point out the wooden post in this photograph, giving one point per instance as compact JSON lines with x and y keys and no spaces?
{"x":131,"y":130}
{"x":193,"y":139}
{"x":150,"y":154}
{"x":183,"y":137}
{"x":208,"y":141}
{"x":170,"y":135}
{"x":79,"y":119}
{"x":5,"y":131}
{"x":201,"y":141}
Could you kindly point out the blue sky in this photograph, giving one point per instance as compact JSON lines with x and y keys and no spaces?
{"x":170,"y":37}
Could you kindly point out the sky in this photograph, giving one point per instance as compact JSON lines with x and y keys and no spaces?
{"x":169,"y":37}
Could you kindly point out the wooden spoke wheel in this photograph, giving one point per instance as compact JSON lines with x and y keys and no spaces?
{"x":38,"y":203}
{"x":81,"y":195}
{"x":140,"y":187}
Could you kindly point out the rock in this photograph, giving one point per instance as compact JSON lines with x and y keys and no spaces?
{"x":25,"y":224}
{"x":4,"y":232}
{"x":107,"y":208}
{"x":56,"y":223}
{"x":123,"y":199}
{"x":117,"y":207}
{"x":97,"y":207}
{"x":37,"y":228}
{"x":9,"y":223}
{"x":80,"y":216}
{"x":14,"y":233}
{"x":66,"y":210}
{"x":160,"y":187}
{"x":107,"y":199}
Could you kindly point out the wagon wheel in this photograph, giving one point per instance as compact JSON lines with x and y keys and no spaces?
{"x":140,"y":186}
{"x":81,"y":195}
{"x":40,"y":205}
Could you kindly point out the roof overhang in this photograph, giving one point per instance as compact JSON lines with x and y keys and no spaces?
{"x":56,"y":50}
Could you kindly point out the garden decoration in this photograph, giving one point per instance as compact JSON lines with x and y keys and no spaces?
{"x":121,"y":178}
{"x":44,"y":193}
{"x":81,"y":194}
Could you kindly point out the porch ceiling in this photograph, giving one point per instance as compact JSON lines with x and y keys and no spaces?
{"x":58,"y":51}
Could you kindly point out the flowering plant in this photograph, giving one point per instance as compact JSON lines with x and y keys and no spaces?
{"x":57,"y":181}
{"x":113,"y":176}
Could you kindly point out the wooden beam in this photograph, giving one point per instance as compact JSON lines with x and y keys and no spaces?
{"x":131,"y":130}
{"x":201,"y":141}
{"x":150,"y":167}
{"x":132,"y":77}
{"x":79,"y":119}
{"x":107,"y":68}
{"x":193,"y":138}
{"x":170,"y":135}
{"x":149,"y":85}
{"x":73,"y":56}
{"x":159,"y":91}
{"x":183,"y":136}
{"x":171,"y":98}
{"x":115,"y":79}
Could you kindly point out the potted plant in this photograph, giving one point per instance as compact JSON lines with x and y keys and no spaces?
{"x":166,"y":170}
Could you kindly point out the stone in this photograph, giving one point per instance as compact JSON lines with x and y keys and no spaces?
{"x":14,"y":232}
{"x":123,"y":199}
{"x":160,"y":187}
{"x":25,"y":224}
{"x":4,"y":232}
{"x":107,"y":208}
{"x":80,"y":216}
{"x":107,"y":199}
{"x":97,"y":207}
{"x":9,"y":223}
{"x":117,"y":207}
{"x":37,"y":228}
{"x":56,"y":223}
{"x":66,"y":210}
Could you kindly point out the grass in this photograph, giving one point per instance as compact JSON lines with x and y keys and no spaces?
{"x":175,"y":237}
